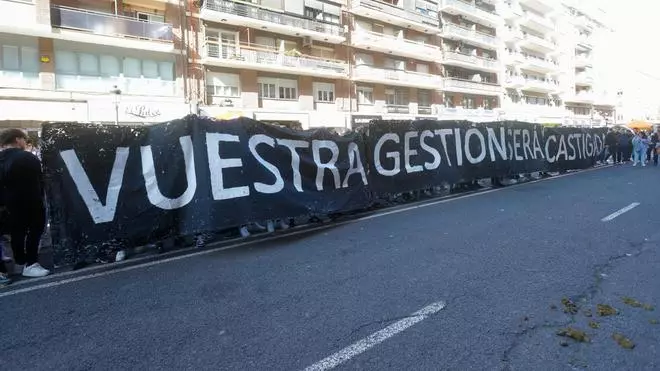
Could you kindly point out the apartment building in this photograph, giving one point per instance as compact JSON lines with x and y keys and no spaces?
{"x":299,"y":63}
{"x":90,"y":61}
{"x":471,"y":61}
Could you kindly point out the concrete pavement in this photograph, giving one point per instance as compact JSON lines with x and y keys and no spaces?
{"x":501,"y":262}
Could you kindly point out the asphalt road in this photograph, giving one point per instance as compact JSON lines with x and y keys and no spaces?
{"x":500,"y":262}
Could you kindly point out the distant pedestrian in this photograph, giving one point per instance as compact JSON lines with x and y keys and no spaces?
{"x":23,"y":196}
{"x":655,"y":145}
{"x":625,"y":146}
{"x":612,"y":143}
{"x":640,"y":144}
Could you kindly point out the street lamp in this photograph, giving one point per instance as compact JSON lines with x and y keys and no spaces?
{"x":117,"y":92}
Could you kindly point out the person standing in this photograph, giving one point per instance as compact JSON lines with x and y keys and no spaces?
{"x":655,"y":143}
{"x":640,"y":144}
{"x":23,"y":196}
{"x":612,"y":143}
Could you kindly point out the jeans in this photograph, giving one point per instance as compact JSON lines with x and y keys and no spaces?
{"x":639,"y":156}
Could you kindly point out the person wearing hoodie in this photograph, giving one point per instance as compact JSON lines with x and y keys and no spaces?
{"x":640,"y":144}
{"x":22,"y":194}
{"x":612,"y":143}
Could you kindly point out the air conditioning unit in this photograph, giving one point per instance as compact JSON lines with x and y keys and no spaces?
{"x":307,"y":41}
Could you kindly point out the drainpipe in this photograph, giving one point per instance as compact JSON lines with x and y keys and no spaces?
{"x":116,"y":8}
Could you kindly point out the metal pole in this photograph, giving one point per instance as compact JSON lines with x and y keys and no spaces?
{"x":117,"y":111}
{"x":116,"y":8}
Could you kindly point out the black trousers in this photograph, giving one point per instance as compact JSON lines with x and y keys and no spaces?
{"x":615,"y":152}
{"x":27,"y":227}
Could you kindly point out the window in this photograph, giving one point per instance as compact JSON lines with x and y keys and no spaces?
{"x":19,"y":58}
{"x":270,"y":88}
{"x":66,"y":63}
{"x":222,"y":84}
{"x":364,"y":59}
{"x":449,"y":101}
{"x":395,"y":64}
{"x":423,"y":98}
{"x":468,"y":102}
{"x":132,"y":67}
{"x":397,"y":96}
{"x":146,"y":17}
{"x":88,"y":64}
{"x":324,"y":92}
{"x":422,"y":68}
{"x":110,"y":66}
{"x":489,"y":102}
{"x":321,"y":52}
{"x":365,"y":95}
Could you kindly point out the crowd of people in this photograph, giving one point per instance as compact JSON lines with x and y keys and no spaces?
{"x":22,"y":206}
{"x":639,"y":147}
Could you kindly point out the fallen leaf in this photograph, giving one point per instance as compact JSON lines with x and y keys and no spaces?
{"x":654,"y":321}
{"x":588,"y":313}
{"x":623,"y":341}
{"x":605,"y":310}
{"x":575,"y":334}
{"x":594,"y":324}
{"x":569,"y":306}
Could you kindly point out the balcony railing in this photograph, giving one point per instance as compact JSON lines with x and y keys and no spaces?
{"x":424,"y":110}
{"x":452,"y":82}
{"x":541,"y":84}
{"x":583,"y":60}
{"x":429,"y":16}
{"x":247,"y":54}
{"x":409,"y":77}
{"x":540,"y":62}
{"x":399,"y":43}
{"x":108,"y":24}
{"x":471,"y":59}
{"x":397,"y":108}
{"x":449,"y":28}
{"x":584,"y":78}
{"x":533,"y":17}
{"x":99,"y":84}
{"x":18,"y":79}
{"x":253,"y":11}
{"x":471,"y":9}
{"x":540,"y":41}
{"x":515,"y":81}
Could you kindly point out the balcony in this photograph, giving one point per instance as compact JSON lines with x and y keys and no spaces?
{"x":128,"y":86}
{"x":509,"y":11}
{"x":583,"y":60}
{"x":525,"y":111}
{"x":542,"y":6}
{"x":584,"y":78}
{"x":422,"y":21}
{"x":584,"y":42}
{"x":513,"y":58}
{"x":583,"y":96}
{"x":470,"y":114}
{"x":109,"y":29}
{"x":470,"y":61}
{"x":538,"y":43}
{"x":254,"y":16}
{"x":390,"y":108}
{"x":541,"y":85}
{"x":470,"y":87}
{"x":376,"y":75}
{"x":537,"y":22}
{"x":456,"y":32}
{"x":395,"y":45}
{"x":243,"y":56}
{"x":471,"y":12}
{"x":511,"y":35}
{"x":537,"y":64}
{"x":19,"y":80}
{"x":514,"y":82}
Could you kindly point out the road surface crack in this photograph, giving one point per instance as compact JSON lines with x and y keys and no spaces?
{"x":600,"y":271}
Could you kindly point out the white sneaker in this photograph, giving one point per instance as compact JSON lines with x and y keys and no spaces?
{"x":35,"y":270}
{"x":244,"y":231}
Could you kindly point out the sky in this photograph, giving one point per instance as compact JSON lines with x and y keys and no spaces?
{"x":632,"y":62}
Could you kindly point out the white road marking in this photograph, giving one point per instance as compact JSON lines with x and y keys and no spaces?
{"x":210,"y":249}
{"x":376,"y":338}
{"x":620,"y":212}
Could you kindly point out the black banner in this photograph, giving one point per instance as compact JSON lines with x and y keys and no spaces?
{"x":411,"y":155}
{"x":196,"y":175}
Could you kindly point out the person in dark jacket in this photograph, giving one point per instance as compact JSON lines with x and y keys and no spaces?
{"x":655,"y":139}
{"x":23,"y":196}
{"x":625,"y":146}
{"x":612,"y":143}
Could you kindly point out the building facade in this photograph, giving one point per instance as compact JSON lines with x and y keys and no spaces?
{"x":298,"y":63}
